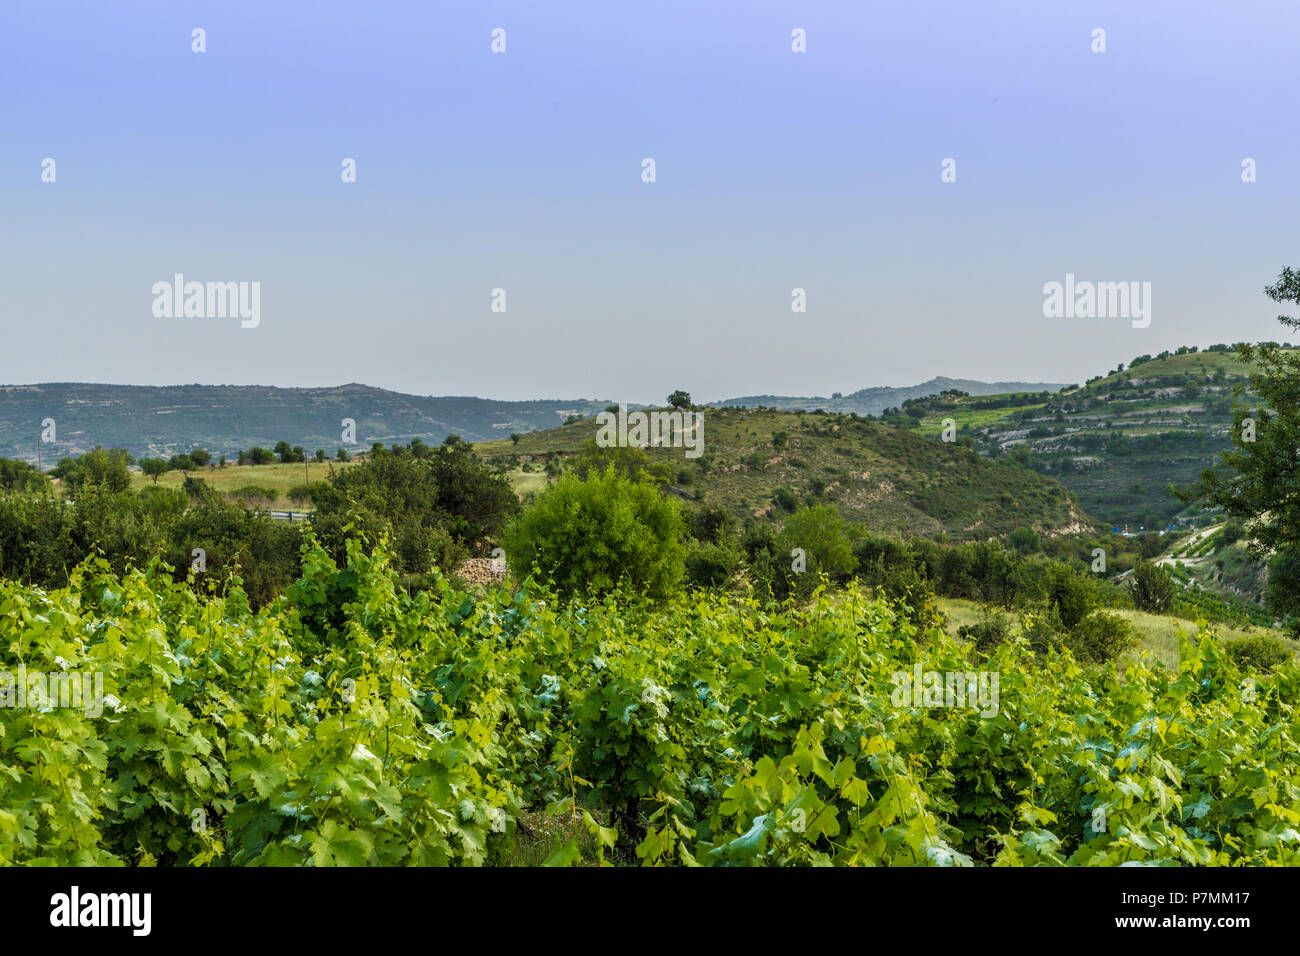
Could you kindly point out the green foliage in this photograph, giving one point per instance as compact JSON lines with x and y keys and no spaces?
{"x":826,"y":543}
{"x":351,"y":724}
{"x":1101,"y":637}
{"x":154,"y":468}
{"x":626,"y":459}
{"x":101,"y":467}
{"x":987,"y":633}
{"x":709,"y":564}
{"x":1152,"y":588}
{"x":589,"y":535}
{"x":17,"y":475}
{"x":254,"y":493}
{"x":1025,"y":540}
{"x":434,"y":508}
{"x":1259,"y":651}
{"x":1072,"y":594}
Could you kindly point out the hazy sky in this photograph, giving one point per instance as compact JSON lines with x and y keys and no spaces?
{"x":522,"y":170}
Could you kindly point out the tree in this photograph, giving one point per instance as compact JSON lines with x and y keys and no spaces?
{"x":17,"y":475}
{"x":1025,"y":540}
{"x":1072,"y":594}
{"x":514,"y":437}
{"x":181,"y":463}
{"x":154,"y":468}
{"x":433,"y":509}
{"x":200,"y":457}
{"x":343,"y":455}
{"x":589,"y":536}
{"x":826,"y":543}
{"x":1257,"y":479}
{"x":680,"y":399}
{"x":633,"y":462}
{"x":105,"y":467}
{"x":1152,"y":587}
{"x":320,"y":454}
{"x":261,"y":456}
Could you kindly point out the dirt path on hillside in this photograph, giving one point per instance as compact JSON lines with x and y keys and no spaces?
{"x":1187,"y":545}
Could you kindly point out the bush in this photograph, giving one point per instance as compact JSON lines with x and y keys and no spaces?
{"x":590,"y":535}
{"x":434,"y":508}
{"x":105,"y":467}
{"x":1101,"y":637}
{"x":988,"y":633}
{"x":1152,"y":588}
{"x":250,"y":493}
{"x":710,"y":524}
{"x":17,"y":475}
{"x":1259,"y":651}
{"x":1072,"y":594}
{"x":1042,"y":628}
{"x":827,"y":544}
{"x":710,"y":565}
{"x":1025,"y":540}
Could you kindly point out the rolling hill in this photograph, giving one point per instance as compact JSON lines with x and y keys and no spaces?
{"x":757,"y":462}
{"x":873,"y":401}
{"x":148,"y":420}
{"x":166,"y":420}
{"x":1119,"y":441}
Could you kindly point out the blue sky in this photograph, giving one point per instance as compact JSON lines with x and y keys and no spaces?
{"x":522,"y":171}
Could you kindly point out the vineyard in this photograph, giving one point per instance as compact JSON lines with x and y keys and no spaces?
{"x":350,"y":723}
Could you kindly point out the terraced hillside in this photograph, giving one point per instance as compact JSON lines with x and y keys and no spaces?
{"x":763,"y":461}
{"x":1119,"y":441}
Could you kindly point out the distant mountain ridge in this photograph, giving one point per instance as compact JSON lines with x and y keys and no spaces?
{"x":164,"y":420}
{"x":873,"y":401}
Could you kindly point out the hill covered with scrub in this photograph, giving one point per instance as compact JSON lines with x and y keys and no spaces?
{"x":767,"y":462}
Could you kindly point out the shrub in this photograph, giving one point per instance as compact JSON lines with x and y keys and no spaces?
{"x":299,"y":493}
{"x":988,"y":633}
{"x":434,"y":508}
{"x":827,"y":544}
{"x":1101,"y":637}
{"x":590,"y":535}
{"x":251,"y":493}
{"x":710,"y":565}
{"x":1072,"y":594}
{"x":1025,"y":540}
{"x":1152,"y":588}
{"x":1259,"y":651}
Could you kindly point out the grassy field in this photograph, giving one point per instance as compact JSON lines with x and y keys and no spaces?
{"x":971,"y":418}
{"x":1159,"y":634}
{"x":278,"y":478}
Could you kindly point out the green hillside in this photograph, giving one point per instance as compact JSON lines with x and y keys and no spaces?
{"x":874,"y":400}
{"x":163,"y":421}
{"x":761,"y":461}
{"x":1119,"y":441}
